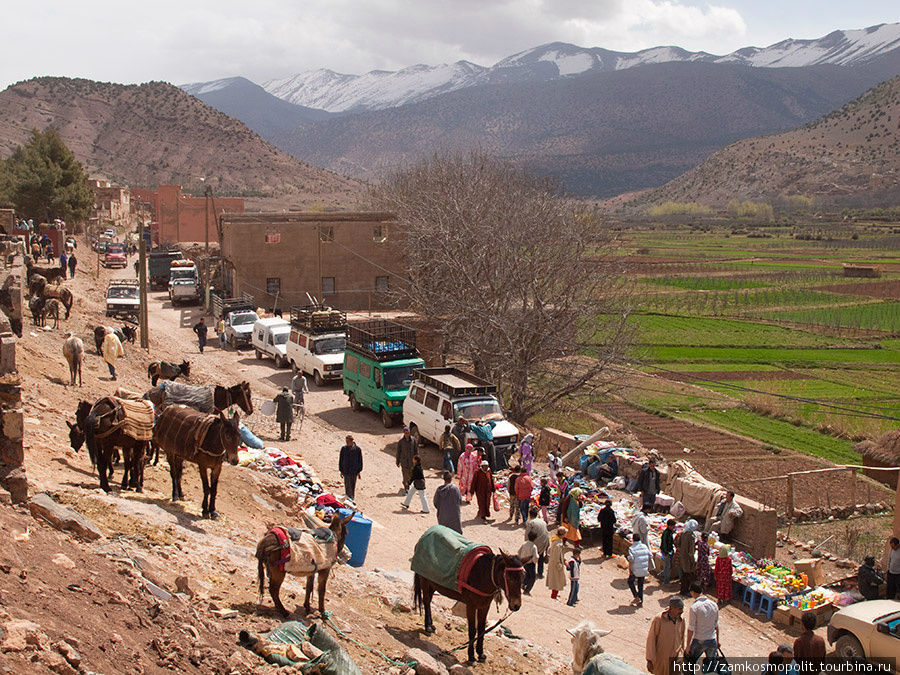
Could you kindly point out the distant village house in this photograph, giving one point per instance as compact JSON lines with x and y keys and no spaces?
{"x":178,"y":217}
{"x":112,"y":203}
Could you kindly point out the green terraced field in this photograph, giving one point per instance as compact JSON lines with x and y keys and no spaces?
{"x":662,"y":330}
{"x":776,"y":356}
{"x":883,"y":316}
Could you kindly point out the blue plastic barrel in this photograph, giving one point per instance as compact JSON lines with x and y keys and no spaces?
{"x":359,"y":531}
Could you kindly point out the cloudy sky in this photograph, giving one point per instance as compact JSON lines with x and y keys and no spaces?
{"x":197,"y":40}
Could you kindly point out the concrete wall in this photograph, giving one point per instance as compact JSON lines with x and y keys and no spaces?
{"x":12,"y":454}
{"x":288,"y":247}
{"x":889,"y":478}
{"x":545,"y":438}
{"x":184,"y":218}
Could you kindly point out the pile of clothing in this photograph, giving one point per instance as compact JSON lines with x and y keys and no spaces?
{"x":294,"y":470}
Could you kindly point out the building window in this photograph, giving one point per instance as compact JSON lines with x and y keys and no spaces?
{"x":327,"y":285}
{"x":326,"y":232}
{"x":379,"y":233}
{"x":273,"y":285}
{"x":381,"y":284}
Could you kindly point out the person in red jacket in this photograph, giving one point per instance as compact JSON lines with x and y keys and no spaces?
{"x":524,"y":486}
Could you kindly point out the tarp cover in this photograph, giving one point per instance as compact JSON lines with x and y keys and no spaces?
{"x":438,"y":555}
{"x":309,"y":555}
{"x":166,"y":393}
{"x":138,"y":422}
{"x":698,"y":495}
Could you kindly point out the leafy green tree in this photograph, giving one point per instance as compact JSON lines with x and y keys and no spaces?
{"x":46,"y":181}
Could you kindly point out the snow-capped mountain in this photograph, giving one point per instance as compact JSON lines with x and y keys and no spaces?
{"x":380,"y":89}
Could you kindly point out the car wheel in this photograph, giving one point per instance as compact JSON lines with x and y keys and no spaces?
{"x":232,"y":342}
{"x":414,"y":433}
{"x":294,"y":368}
{"x":848,"y":647}
{"x":354,"y":404}
{"x":387,"y":419}
{"x":280,"y":362}
{"x":320,"y":381}
{"x":258,"y":354}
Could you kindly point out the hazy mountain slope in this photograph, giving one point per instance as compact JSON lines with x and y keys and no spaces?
{"x":602,"y":133}
{"x":240,"y":98}
{"x":154,"y":133}
{"x":380,"y":89}
{"x":850,"y":157}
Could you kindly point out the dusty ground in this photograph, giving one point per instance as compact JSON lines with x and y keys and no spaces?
{"x":171,"y":540}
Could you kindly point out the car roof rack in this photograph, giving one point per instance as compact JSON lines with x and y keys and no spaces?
{"x":455,"y":382}
{"x":382,"y":340}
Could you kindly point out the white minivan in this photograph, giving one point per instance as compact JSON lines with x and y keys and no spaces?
{"x":318,"y":355}
{"x":269,"y":338}
{"x":440,"y":396}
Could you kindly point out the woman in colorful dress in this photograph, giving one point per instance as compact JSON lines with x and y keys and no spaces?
{"x":468,"y":465}
{"x":724,"y":569}
{"x":704,"y":571}
{"x":572,"y":516}
{"x":527,"y":452}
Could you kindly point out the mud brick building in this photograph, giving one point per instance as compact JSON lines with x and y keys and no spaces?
{"x":180,"y":217}
{"x":112,"y":203}
{"x":12,"y":453}
{"x":348,"y":259}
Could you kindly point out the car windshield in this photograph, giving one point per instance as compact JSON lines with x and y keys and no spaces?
{"x":398,"y":377}
{"x":130,"y":292}
{"x":183,"y":273}
{"x":243,"y":319}
{"x":332,"y":345}
{"x":115,"y":248}
{"x":280,"y":338}
{"x":478,"y":410}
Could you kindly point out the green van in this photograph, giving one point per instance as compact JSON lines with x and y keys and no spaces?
{"x":379,"y":361}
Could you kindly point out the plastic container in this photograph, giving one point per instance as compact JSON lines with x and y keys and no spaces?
{"x":359,"y":531}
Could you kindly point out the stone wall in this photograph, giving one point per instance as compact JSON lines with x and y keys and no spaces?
{"x":12,"y":454}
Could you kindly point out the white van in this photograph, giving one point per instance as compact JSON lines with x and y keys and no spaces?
{"x":440,"y":396}
{"x":270,"y":338}
{"x":316,"y":343}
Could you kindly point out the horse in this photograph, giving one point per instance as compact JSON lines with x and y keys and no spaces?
{"x":185,"y":434}
{"x":73,"y":350}
{"x":490,"y":575}
{"x":50,"y":310}
{"x":203,"y":398}
{"x":97,"y":426}
{"x":125,"y":334}
{"x":168,"y":370}
{"x":269,"y":559}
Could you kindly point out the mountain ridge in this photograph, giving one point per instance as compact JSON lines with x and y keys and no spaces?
{"x":379,"y":89}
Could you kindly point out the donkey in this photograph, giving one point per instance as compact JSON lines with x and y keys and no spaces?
{"x":36,"y":307}
{"x":73,"y":350}
{"x":50,"y":310}
{"x":125,"y":333}
{"x":51,"y":274}
{"x":95,"y":426}
{"x":269,"y":558}
{"x":168,"y":370}
{"x":38,"y":286}
{"x":185,"y":434}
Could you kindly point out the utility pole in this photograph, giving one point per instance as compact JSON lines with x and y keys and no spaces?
{"x":142,"y":276}
{"x":208,"y":197}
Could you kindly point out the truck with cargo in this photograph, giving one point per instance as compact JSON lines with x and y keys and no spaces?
{"x":440,"y":396}
{"x":184,"y":282}
{"x":158,"y":267}
{"x":379,"y":360}
{"x":123,"y":299}
{"x":114,"y":256}
{"x":316,"y":343}
{"x":270,"y":336}
{"x":240,"y":316}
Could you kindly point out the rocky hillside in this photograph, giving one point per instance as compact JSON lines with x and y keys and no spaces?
{"x":601,"y":134}
{"x":154,"y":133}
{"x":850,"y":157}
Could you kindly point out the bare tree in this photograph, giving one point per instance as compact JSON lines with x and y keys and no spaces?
{"x":519,"y":278}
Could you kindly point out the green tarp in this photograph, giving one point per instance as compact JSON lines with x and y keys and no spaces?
{"x":438,"y":555}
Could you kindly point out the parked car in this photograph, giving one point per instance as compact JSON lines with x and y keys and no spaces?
{"x":114,"y":256}
{"x":439,"y":396}
{"x":123,"y":299}
{"x":316,"y":344}
{"x":239,"y":320}
{"x":270,"y":336}
{"x":867,"y":630}
{"x":379,"y":360}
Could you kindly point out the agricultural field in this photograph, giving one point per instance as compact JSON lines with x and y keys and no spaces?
{"x":800,"y":357}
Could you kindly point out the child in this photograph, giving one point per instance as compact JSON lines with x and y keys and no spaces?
{"x":511,"y":491}
{"x":723,"y":576}
{"x":556,"y":564}
{"x":574,"y":567}
{"x":544,"y":498}
{"x":528,"y":555}
{"x":417,"y":484}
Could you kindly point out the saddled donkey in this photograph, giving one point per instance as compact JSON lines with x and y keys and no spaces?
{"x":489,"y":575}
{"x":168,"y":370}
{"x":53,"y":275}
{"x":311,"y":555}
{"x":73,"y":350}
{"x":185,"y":434}
{"x":113,"y":423}
{"x":125,"y":333}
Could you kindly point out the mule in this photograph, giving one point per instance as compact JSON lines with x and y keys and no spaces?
{"x":491,"y":575}
{"x":73,"y":351}
{"x":168,"y":370}
{"x":268,"y":556}
{"x":96,"y":426}
{"x":36,"y":307}
{"x":38,"y":286}
{"x":185,"y":434}
{"x":53,"y":275}
{"x":50,"y":311}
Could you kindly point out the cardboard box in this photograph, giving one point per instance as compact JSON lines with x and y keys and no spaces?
{"x":782,"y":616}
{"x":814,"y":568}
